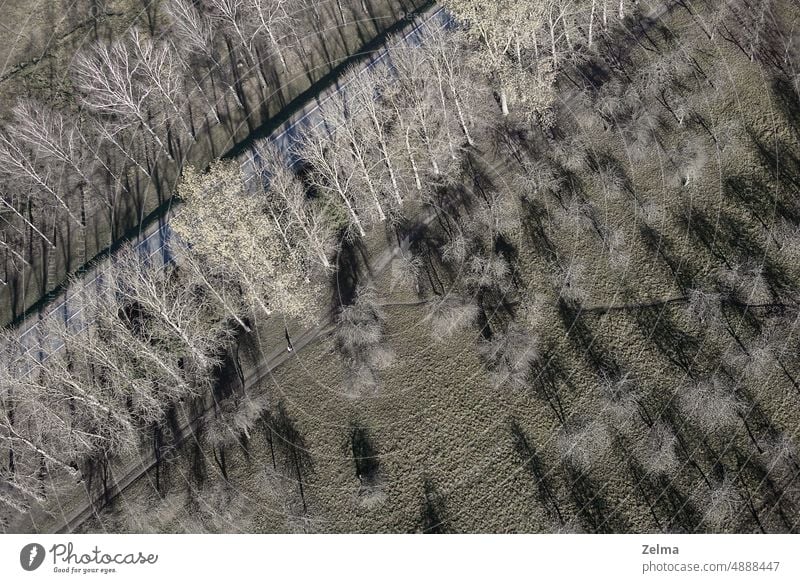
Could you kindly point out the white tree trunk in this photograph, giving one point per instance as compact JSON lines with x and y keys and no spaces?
{"x":413,"y":161}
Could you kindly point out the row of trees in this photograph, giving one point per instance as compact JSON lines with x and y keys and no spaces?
{"x":396,"y":132}
{"x":92,"y":387}
{"x":78,"y":169}
{"x":521,"y":45}
{"x":148,"y":337}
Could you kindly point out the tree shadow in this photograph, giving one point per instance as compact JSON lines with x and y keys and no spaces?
{"x":365,"y":455}
{"x":433,"y":516}
{"x":591,"y":504}
{"x":679,"y":347}
{"x":584,"y":339}
{"x":657,"y":243}
{"x":534,"y":466}
{"x":288,"y":444}
{"x":348,"y":274}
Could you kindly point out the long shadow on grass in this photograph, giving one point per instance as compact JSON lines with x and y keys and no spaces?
{"x":433,"y":516}
{"x":536,"y":469}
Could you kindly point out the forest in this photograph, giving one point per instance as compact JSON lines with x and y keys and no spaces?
{"x":535,"y":269}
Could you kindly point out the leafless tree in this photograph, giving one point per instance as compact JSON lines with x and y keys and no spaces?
{"x":360,"y":339}
{"x":487,"y":270}
{"x":584,"y":443}
{"x":191,"y":27}
{"x":425,"y":129}
{"x":22,"y":165}
{"x":502,"y":30}
{"x":659,"y":455}
{"x":745,"y":282}
{"x":704,"y":307}
{"x":366,"y":89}
{"x":235,"y":20}
{"x":452,"y":80}
{"x":509,"y":356}
{"x":709,"y":405}
{"x":620,"y":397}
{"x":170,"y":311}
{"x":722,"y":504}
{"x":163,"y":74}
{"x":343,"y":163}
{"x":217,"y":280}
{"x":16,"y":208}
{"x":571,"y":282}
{"x":690,"y":158}
{"x":274,"y":19}
{"x":451,"y":315}
{"x":305,"y":225}
{"x":58,"y":142}
{"x":193,"y":33}
{"x":109,"y":78}
{"x":405,"y":271}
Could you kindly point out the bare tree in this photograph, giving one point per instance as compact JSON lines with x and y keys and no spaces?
{"x":217,"y":279}
{"x":193,"y":32}
{"x":235,"y":20}
{"x":163,"y":74}
{"x":305,"y":225}
{"x":275,"y":20}
{"x":509,"y":356}
{"x":584,"y":443}
{"x":11,"y":204}
{"x":170,"y":311}
{"x":360,"y":339}
{"x":342,"y":163}
{"x":451,"y":79}
{"x":366,"y":88}
{"x":424,"y":126}
{"x":20,"y":164}
{"x":246,"y":243}
{"x":59,"y":143}
{"x":503,"y":31}
{"x":451,"y":315}
{"x":659,"y":454}
{"x":722,"y":504}
{"x":109,"y":78}
{"x":405,"y":271}
{"x":709,"y":405}
{"x":620,"y":398}
{"x":192,"y":27}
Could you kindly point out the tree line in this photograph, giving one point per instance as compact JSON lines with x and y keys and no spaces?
{"x":79,"y":169}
